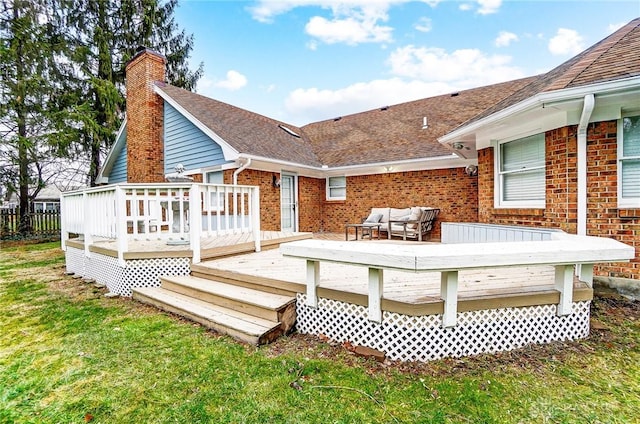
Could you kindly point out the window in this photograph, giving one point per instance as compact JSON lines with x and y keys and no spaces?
{"x":336,"y":188}
{"x":520,"y":173}
{"x":629,"y":162}
{"x":216,"y":194}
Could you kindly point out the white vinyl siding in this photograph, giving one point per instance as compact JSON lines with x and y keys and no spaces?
{"x":521,"y":173}
{"x":629,"y":162}
{"x":336,"y":188}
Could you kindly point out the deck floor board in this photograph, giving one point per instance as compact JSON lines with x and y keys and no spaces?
{"x":407,"y":287}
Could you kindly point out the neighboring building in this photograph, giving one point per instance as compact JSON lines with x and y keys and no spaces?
{"x":47,"y":200}
{"x":557,"y":150}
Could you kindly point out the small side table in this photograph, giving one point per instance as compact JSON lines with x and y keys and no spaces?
{"x":371,"y":226}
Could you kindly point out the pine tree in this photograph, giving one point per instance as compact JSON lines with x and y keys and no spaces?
{"x":105,"y":34}
{"x":29,"y":121}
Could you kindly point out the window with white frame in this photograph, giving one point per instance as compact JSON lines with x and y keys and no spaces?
{"x":336,"y":188}
{"x":629,"y":162}
{"x":520,"y":173}
{"x":215,"y":195}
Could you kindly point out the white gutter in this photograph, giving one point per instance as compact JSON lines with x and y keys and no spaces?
{"x":587,"y":109}
{"x":239,"y":170}
{"x":542,"y":99}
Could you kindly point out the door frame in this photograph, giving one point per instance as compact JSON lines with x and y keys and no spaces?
{"x":294,"y":182}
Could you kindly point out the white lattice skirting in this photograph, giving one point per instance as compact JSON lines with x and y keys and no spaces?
{"x":423,"y":338}
{"x":137,"y":272}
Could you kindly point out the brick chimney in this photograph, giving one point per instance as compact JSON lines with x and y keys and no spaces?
{"x":145,"y":146}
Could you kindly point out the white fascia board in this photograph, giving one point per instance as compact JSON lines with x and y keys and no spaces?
{"x":541,"y":100}
{"x":229,"y":152}
{"x":440,"y":162}
{"x":113,"y":154}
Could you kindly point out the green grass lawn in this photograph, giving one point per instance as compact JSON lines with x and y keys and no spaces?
{"x":69,"y":355}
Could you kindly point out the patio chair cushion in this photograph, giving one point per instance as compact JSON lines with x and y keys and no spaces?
{"x":373,"y":218}
{"x":382,"y":211}
{"x":416,"y":213}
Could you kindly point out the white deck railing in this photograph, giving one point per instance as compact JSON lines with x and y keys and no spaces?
{"x":175,"y":212}
{"x":561,"y":250}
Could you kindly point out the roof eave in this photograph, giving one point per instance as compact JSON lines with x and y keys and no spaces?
{"x":421,"y":164}
{"x":541,"y":100}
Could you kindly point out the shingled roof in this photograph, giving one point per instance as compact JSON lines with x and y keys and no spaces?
{"x":396,"y":133}
{"x":615,"y":57}
{"x":246,"y":132}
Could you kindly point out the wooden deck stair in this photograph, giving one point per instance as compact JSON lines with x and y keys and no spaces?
{"x":248,"y":314}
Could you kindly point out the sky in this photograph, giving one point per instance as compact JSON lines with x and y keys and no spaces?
{"x":303,"y":61}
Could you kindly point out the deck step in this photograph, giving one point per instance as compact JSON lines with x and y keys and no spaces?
{"x":269,"y":306}
{"x":241,"y":326}
{"x":262,"y":284}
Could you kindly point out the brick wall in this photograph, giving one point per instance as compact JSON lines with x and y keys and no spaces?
{"x":269,"y":195}
{"x":145,"y":152}
{"x":451,"y":190}
{"x":603,"y":217}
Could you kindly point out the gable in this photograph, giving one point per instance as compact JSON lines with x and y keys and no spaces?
{"x":119,"y":171}
{"x":186,"y":144}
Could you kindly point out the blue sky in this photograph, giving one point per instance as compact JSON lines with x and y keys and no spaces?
{"x":302,"y":61}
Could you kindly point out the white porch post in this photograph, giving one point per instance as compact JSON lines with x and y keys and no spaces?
{"x":64,"y":234}
{"x":121,"y":225}
{"x":255,"y":217}
{"x":195,"y":224}
{"x":376,"y":287}
{"x":87,"y":224}
{"x":564,"y":284}
{"x":449,"y":293}
{"x":313,"y":279}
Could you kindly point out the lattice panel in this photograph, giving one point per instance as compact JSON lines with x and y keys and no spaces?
{"x":74,"y":259}
{"x":137,"y":272}
{"x":104,"y":269}
{"x":146,"y":272}
{"x":422,"y":338}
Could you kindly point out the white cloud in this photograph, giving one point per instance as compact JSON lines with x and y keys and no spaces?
{"x":505,"y":38}
{"x":350,"y":21}
{"x":488,"y":7}
{"x":565,"y":42}
{"x":424,"y":25}
{"x":350,"y":30}
{"x":611,"y":28}
{"x":466,"y":67}
{"x":417,"y":73}
{"x":485,"y":7}
{"x":313,"y":104}
{"x":234,"y":81}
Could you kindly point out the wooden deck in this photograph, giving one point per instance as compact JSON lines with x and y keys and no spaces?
{"x":211,"y":247}
{"x":406,"y":292}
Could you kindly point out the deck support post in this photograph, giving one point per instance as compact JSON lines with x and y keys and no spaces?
{"x":585,"y":274}
{"x":375,"y":294}
{"x":449,"y":293}
{"x":195,"y":224}
{"x":313,"y":279}
{"x":564,"y":284}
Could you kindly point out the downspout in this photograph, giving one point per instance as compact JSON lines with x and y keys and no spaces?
{"x":239,"y":170}
{"x":587,"y":109}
